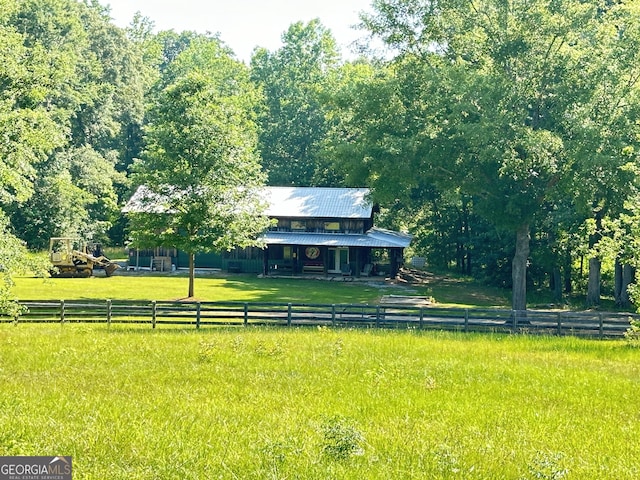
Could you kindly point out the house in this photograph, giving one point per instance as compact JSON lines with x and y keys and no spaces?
{"x":318,"y":230}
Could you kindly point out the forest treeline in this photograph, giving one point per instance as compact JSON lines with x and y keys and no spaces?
{"x":503,"y":134}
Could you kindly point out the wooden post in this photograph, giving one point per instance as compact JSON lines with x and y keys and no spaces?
{"x":333,"y":314}
{"x":288,"y":315}
{"x":198,"y":316}
{"x":601,"y":326}
{"x":559,"y":325}
{"x":421,"y":324}
{"x":466,"y":319}
{"x":108,"y":313}
{"x":378,"y":316}
{"x":154,"y":310}
{"x":62,"y":311}
{"x":246,"y":314}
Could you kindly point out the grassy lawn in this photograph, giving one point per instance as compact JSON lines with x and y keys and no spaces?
{"x":250,"y":288}
{"x":319,"y":403}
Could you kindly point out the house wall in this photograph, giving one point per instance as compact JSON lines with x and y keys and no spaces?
{"x":323,"y":225}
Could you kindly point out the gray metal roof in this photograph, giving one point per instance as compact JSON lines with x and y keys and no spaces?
{"x":318,"y":202}
{"x":374,"y":238}
{"x":294,"y":202}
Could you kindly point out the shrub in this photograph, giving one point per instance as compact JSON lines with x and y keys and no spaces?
{"x":341,"y":439}
{"x":633,"y":333}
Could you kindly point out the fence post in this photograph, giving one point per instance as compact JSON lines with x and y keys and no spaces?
{"x":377,"y":316}
{"x":421,"y":324}
{"x":62,"y":311}
{"x":515,"y":319}
{"x":246,"y":314}
{"x":333,"y":314}
{"x":601,"y":326}
{"x":154,"y":310}
{"x":559,"y":325}
{"x":198,"y":316}
{"x":288,"y":315}
{"x":108,"y":313}
{"x":466,"y":319}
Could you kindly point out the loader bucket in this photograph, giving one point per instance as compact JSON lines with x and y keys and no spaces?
{"x":110,"y":268}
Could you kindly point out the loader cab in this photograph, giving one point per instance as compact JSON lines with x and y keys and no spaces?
{"x":60,"y":250}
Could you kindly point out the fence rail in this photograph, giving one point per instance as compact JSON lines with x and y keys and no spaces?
{"x":209,"y":314}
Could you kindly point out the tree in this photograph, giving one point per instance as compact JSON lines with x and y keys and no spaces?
{"x":30,"y":132}
{"x":293,"y":122}
{"x":489,"y":97}
{"x":75,"y":92}
{"x":200,"y":167}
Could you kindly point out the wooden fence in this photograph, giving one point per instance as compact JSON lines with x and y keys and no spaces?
{"x":208,"y":314}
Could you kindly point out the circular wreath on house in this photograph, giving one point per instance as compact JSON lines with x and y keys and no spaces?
{"x":312,"y":252}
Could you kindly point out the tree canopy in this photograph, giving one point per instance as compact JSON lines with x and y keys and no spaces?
{"x":502,"y":100}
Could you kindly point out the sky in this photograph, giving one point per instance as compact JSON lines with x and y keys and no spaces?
{"x":245,"y":24}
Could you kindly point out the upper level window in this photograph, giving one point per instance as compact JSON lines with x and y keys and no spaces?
{"x":331,"y":226}
{"x":298,"y":225}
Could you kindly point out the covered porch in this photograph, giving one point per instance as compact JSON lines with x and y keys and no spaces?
{"x":378,"y":252}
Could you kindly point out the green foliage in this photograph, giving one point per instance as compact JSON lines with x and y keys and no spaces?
{"x":293,"y":121}
{"x":632,"y":335}
{"x":70,"y":106}
{"x":340,"y":439}
{"x":201,"y":157}
{"x":503,"y":103}
{"x":14,"y":260}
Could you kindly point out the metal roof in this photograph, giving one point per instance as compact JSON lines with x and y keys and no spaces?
{"x":293,"y":202}
{"x":374,"y":238}
{"x":318,"y":202}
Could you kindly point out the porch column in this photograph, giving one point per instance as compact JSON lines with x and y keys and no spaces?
{"x":265,"y":261}
{"x":395,"y":255}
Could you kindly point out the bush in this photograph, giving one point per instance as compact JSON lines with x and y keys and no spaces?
{"x":633,"y":333}
{"x":341,"y":439}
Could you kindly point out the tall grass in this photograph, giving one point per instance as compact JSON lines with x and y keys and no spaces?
{"x":318,"y":403}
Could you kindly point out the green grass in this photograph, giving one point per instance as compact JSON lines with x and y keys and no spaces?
{"x":128,"y":286}
{"x":207,"y":288}
{"x":318,"y":403}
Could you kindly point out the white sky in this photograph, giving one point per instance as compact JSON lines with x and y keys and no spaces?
{"x":246,"y":24}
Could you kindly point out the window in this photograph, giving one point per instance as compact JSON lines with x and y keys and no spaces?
{"x":298,"y":225}
{"x":331,"y":226}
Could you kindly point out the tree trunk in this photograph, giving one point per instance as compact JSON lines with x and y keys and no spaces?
{"x":192,"y":272}
{"x":595,"y":265}
{"x":519,"y":269}
{"x":617,"y":284}
{"x":593,"y":287}
{"x":628,"y":276}
{"x":556,"y":276}
{"x":568,"y":280}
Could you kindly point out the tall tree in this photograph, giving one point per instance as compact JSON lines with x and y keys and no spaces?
{"x":82,"y":77}
{"x":487,"y":97}
{"x":30,"y":131}
{"x":201,"y":168}
{"x":292,"y":123}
